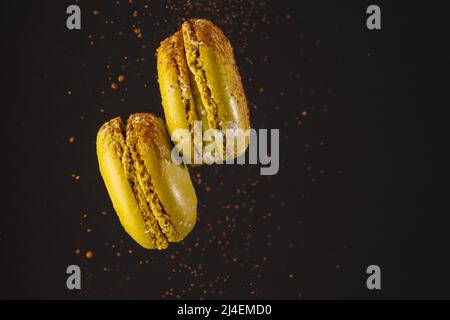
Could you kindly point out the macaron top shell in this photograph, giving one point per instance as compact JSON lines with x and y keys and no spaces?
{"x":171,"y":181}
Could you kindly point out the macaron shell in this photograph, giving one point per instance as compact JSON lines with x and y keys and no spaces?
{"x":118,"y":187}
{"x":172,"y":181}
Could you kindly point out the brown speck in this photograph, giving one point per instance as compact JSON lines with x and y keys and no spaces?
{"x":114,"y":86}
{"x":72,"y":139}
{"x":95,"y":12}
{"x":120,"y":78}
{"x":305,"y":113}
{"x":77,"y":251}
{"x":291,"y":276}
{"x":89,"y":254}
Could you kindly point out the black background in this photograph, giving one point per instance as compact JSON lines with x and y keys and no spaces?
{"x":356,"y":110}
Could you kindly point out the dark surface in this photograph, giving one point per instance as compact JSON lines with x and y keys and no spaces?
{"x":355,"y":186}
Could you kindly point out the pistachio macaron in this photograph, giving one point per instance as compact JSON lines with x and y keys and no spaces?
{"x":153,"y":197}
{"x":199,"y":81}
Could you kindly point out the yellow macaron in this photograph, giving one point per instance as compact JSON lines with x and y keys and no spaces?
{"x":153,"y":196}
{"x":199,"y":81}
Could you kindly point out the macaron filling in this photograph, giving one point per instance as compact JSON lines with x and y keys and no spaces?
{"x":179,"y":60}
{"x":192,"y":48}
{"x":152,"y":228}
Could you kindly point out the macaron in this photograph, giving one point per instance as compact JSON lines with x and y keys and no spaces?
{"x":153,"y":197}
{"x":199,"y":81}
